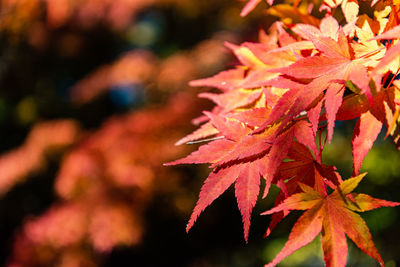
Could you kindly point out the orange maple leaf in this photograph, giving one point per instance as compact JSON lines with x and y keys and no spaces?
{"x":333,"y":216}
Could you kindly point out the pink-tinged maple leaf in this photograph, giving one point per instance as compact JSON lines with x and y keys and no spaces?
{"x":208,"y":153}
{"x":247,"y":188}
{"x":333,"y":100}
{"x":304,"y":231}
{"x":233,"y":99}
{"x":390,"y":34}
{"x":225,"y":80}
{"x":205,"y":130}
{"x":279,"y":146}
{"x":257,"y":78}
{"x":232,"y":133}
{"x":304,"y":135}
{"x":237,"y":143}
{"x":247,"y":178}
{"x":306,"y":30}
{"x":335,"y":64}
{"x":365,"y":133}
{"x":331,"y":215}
{"x":231,"y":130}
{"x":313,"y":115}
{"x":329,"y":27}
{"x":372,"y":117}
{"x":259,"y":51}
{"x":300,"y":130}
{"x":260,"y":57}
{"x":335,"y":59}
{"x":274,"y":56}
{"x":245,"y":55}
{"x":250,"y":145}
{"x":252,"y":117}
{"x":294,"y":101}
{"x":276,"y":155}
{"x":284,"y":103}
{"x":391,"y":55}
{"x":284,"y":37}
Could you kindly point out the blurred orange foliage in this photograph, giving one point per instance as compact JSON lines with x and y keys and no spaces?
{"x":143,"y":67}
{"x":104,"y":184}
{"x":30,"y":157}
{"x":138,"y":66}
{"x":18,"y":14}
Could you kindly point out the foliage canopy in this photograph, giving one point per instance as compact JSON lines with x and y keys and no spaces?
{"x":321,"y":63}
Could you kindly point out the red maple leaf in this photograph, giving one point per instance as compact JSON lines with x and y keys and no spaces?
{"x":301,"y":167}
{"x":371,"y":118}
{"x":334,"y":64}
{"x":242,"y":158}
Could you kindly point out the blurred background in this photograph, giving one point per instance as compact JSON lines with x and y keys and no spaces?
{"x":93,"y":96}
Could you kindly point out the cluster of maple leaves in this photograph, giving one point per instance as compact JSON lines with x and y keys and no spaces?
{"x":288,"y":89}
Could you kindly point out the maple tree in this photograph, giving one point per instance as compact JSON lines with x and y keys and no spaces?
{"x":324,"y":62}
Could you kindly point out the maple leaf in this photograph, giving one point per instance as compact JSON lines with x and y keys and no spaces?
{"x":205,"y":130}
{"x":391,"y":59}
{"x":252,"y":117}
{"x":247,"y":177}
{"x":365,"y":133}
{"x":371,"y":118}
{"x":334,"y":63}
{"x":247,"y":86}
{"x":390,"y":34}
{"x":301,"y":167}
{"x":225,"y":80}
{"x":333,"y":216}
{"x":299,"y":98}
{"x":243,"y":159}
{"x":239,"y":158}
{"x":246,"y":174}
{"x":234,"y":99}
